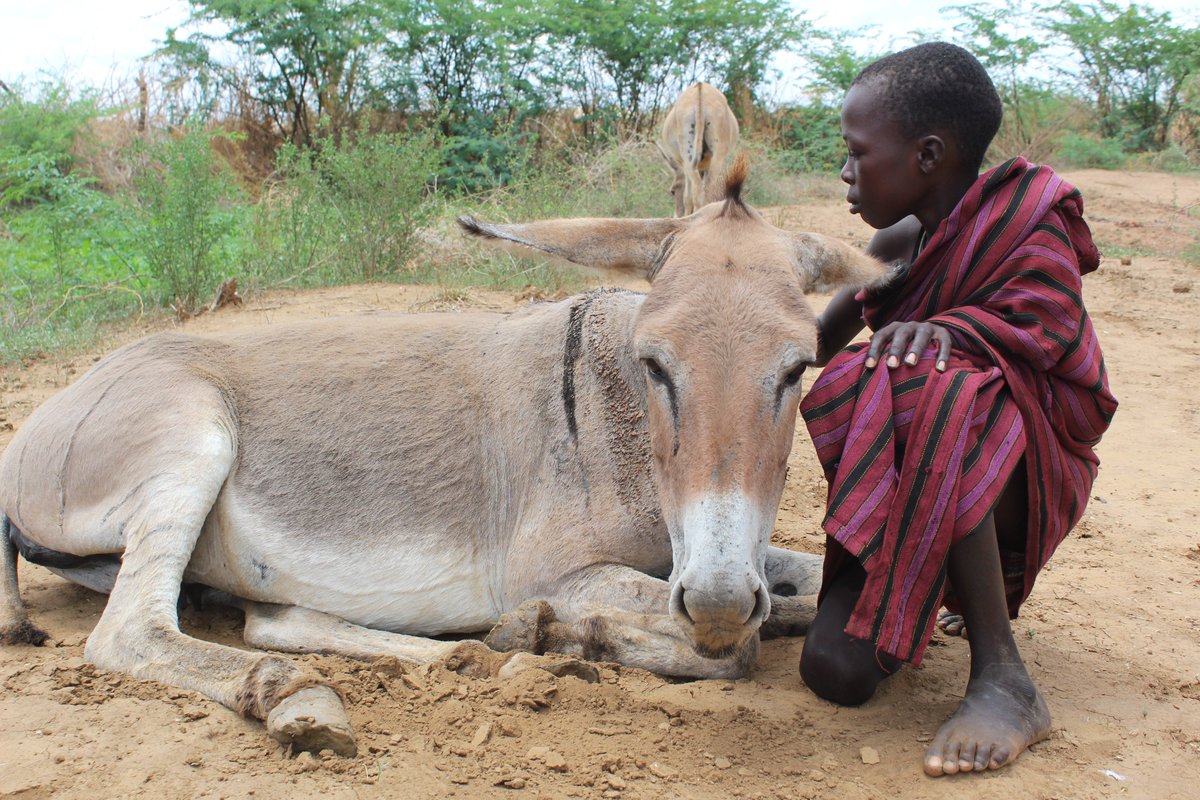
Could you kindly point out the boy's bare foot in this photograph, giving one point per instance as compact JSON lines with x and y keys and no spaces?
{"x":1002,"y":714}
{"x":951,"y":624}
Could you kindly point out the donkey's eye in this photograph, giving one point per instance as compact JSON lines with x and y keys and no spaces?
{"x":655,"y":370}
{"x":793,"y":376}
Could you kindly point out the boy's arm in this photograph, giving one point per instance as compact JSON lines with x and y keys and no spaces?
{"x":842,"y":319}
{"x":838,"y":324}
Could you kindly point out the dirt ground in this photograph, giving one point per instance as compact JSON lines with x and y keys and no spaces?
{"x":1111,"y":633}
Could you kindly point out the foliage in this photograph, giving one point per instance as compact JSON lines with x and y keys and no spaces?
{"x":375,"y":190}
{"x":308,"y":58}
{"x":463,"y":59}
{"x":834,"y":60}
{"x":639,"y":54}
{"x":186,"y":209}
{"x":1133,"y":62}
{"x":997,"y":35}
{"x":333,"y":215}
{"x":1081,"y":150}
{"x":810,"y":138}
{"x":38,"y":138}
{"x":483,"y":153}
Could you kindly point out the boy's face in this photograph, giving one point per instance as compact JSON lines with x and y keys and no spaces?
{"x":882,"y":163}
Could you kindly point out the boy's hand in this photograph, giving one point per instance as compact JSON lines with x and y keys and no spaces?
{"x":908,"y":340}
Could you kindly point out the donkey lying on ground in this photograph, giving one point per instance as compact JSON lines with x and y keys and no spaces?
{"x":357,"y":484}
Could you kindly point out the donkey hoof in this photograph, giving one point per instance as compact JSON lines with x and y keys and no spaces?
{"x":313,"y":719}
{"x":522,"y":628}
{"x":556,"y":665}
{"x":23,"y":632}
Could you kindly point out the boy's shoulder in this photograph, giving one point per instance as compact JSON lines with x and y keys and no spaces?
{"x":896,"y":243}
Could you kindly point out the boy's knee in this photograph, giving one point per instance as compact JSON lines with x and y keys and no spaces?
{"x":839,"y":674}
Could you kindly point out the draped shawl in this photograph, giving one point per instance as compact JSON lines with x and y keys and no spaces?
{"x":915,"y":459}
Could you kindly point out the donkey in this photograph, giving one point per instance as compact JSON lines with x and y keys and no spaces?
{"x":698,"y":136}
{"x":597,"y":477}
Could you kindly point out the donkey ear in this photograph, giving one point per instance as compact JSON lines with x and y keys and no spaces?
{"x":826,"y":264}
{"x":630,"y":246}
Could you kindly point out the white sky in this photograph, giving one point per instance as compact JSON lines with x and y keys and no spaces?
{"x":99,"y":42}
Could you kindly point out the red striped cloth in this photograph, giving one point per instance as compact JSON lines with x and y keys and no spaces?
{"x":1025,"y":378}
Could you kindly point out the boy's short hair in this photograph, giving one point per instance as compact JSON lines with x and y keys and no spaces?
{"x":938,"y":85}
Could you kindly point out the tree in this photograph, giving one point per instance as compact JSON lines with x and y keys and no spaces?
{"x":465,"y":58}
{"x":1133,"y":62}
{"x":637,"y":54}
{"x":1005,"y":41}
{"x":307,"y":57}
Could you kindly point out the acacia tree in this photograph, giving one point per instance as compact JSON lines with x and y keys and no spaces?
{"x":1004,"y":37}
{"x":307,"y":58}
{"x":636,"y":54}
{"x":463,"y":58}
{"x":1132,"y":61}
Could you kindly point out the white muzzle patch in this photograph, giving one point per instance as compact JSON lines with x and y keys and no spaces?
{"x":719,"y":591}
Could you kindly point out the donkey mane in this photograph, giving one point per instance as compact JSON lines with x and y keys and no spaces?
{"x":735,"y":179}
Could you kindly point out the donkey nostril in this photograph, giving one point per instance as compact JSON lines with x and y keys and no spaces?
{"x":761,"y":601}
{"x":679,"y":605}
{"x":784,"y":589}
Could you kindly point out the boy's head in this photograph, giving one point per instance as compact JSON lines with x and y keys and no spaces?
{"x":916,"y":126}
{"x":940,"y":88}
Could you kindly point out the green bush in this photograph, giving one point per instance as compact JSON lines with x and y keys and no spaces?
{"x":1082,"y":151}
{"x":810,"y":138}
{"x":188,"y":206}
{"x":67,"y":266}
{"x":49,"y":124}
{"x":376,"y":191}
{"x":288,"y":240}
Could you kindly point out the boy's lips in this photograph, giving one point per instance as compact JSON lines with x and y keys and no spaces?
{"x":854,"y":205}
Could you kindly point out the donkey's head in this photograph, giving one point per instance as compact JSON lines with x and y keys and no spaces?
{"x":724,"y":337}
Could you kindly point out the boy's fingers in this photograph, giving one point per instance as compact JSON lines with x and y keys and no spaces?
{"x":878,"y":340}
{"x":919,"y":342}
{"x":943,"y":339}
{"x":900,"y":339}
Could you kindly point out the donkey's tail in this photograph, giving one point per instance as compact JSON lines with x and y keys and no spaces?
{"x":15,"y":627}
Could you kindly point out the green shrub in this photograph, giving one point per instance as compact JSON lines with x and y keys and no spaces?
{"x":49,"y":124}
{"x":1082,"y":151}
{"x":187,"y":209}
{"x":288,"y":240}
{"x":810,"y":138}
{"x":375,"y":191}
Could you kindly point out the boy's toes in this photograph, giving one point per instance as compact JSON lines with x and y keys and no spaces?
{"x":1000,"y":757}
{"x":941,"y":758}
{"x":951,"y":624}
{"x":983,"y":756}
{"x":966,"y":757}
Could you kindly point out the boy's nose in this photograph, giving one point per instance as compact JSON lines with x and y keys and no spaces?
{"x":847,"y":172}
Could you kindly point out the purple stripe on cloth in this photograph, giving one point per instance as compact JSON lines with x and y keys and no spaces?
{"x":828,"y":438}
{"x":949,"y":483}
{"x":864,"y":416}
{"x":1086,"y":365}
{"x":843,"y":368}
{"x":853,"y":526}
{"x":1042,"y":251}
{"x":1015,"y":431}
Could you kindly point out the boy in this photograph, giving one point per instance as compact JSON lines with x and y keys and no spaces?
{"x":960,"y":462}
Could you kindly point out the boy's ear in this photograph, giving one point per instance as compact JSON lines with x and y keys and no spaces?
{"x":931,"y":153}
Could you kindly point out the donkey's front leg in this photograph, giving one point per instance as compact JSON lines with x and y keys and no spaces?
{"x":615,"y":613}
